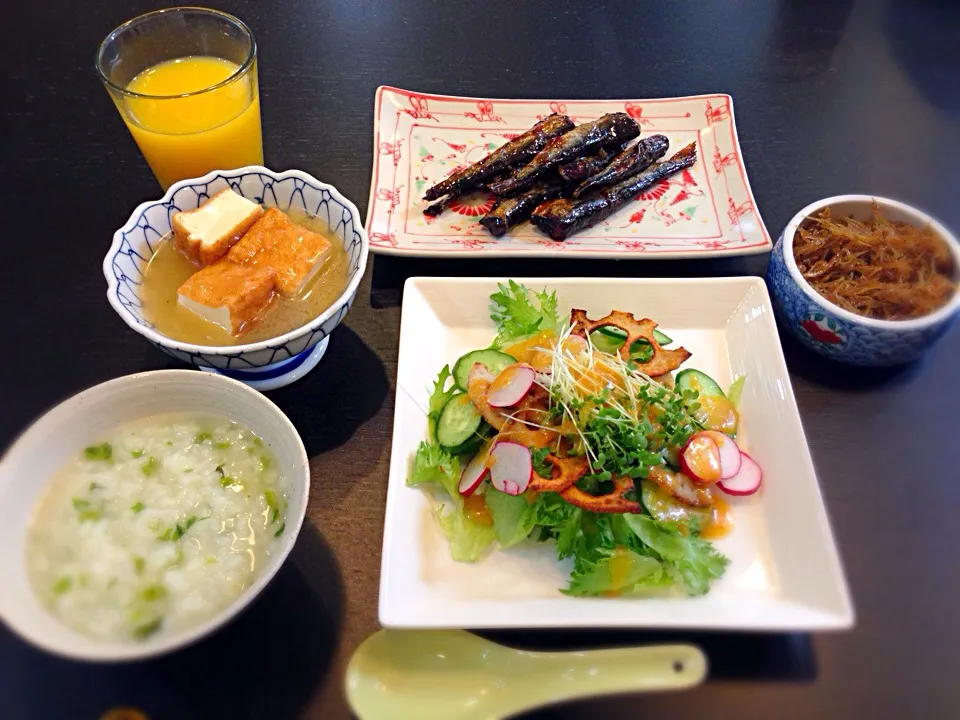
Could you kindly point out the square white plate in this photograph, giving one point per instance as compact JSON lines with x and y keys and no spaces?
{"x":707,"y":211}
{"x":785,"y":572}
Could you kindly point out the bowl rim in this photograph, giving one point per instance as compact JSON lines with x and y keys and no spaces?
{"x":114,"y":651}
{"x":917,"y":216}
{"x":234,"y":350}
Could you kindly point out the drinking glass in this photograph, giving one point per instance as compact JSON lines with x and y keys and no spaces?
{"x":185,"y":82}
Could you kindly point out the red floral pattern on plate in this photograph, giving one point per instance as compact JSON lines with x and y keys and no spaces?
{"x":473,"y":205}
{"x":636,"y":112}
{"x":654,"y":193}
{"x":420,"y":108}
{"x":485,"y":113}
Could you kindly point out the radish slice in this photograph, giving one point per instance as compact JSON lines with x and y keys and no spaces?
{"x":475,"y":472}
{"x":700,"y":459}
{"x":745,"y":482}
{"x":511,"y":385}
{"x":511,"y":467}
{"x":729,"y":453}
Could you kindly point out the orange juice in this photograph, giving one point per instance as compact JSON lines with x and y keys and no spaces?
{"x":185,"y":137}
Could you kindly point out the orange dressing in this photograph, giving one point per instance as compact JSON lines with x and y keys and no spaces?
{"x":703,"y":458}
{"x":532,"y":437}
{"x":475,"y":508}
{"x":620,"y":565}
{"x":720,"y":521}
{"x":670,"y":482}
{"x":595,"y":379}
{"x":536,"y":350}
{"x":716,"y":412}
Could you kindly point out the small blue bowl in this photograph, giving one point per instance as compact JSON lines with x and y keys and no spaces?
{"x":263,"y":365}
{"x":840,"y":334}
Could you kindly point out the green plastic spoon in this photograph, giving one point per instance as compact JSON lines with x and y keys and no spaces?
{"x":454,"y":675}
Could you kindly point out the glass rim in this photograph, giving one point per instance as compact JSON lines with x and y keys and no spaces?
{"x":239,"y":72}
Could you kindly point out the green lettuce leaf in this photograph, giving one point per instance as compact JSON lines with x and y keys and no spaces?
{"x":518,"y":312}
{"x":558,"y":519}
{"x":469,"y":540}
{"x":439,"y":398}
{"x":694,"y":559}
{"x":433,"y":464}
{"x":513,"y":516}
{"x":633,"y":572}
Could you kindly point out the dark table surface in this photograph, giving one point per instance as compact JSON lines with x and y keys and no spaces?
{"x":832,"y":96}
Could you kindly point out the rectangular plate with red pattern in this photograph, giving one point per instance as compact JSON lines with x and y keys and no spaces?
{"x":705,"y":211}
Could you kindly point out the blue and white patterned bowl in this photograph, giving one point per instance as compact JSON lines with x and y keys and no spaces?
{"x":840,"y":334}
{"x":263,"y":365}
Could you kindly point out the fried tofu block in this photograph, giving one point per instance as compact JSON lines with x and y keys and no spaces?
{"x":206,"y":234}
{"x":231,"y":296}
{"x":292,"y":251}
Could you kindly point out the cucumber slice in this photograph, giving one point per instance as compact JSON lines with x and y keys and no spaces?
{"x":493,"y":360}
{"x":618,"y":334}
{"x":702,"y":383}
{"x":474,"y":442}
{"x":459,"y":421}
{"x":605,"y":343}
{"x":641,"y":350}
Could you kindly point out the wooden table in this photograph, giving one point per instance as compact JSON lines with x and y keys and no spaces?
{"x":832,"y":96}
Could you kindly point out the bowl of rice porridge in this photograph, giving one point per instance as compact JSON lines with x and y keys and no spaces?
{"x":143,"y":513}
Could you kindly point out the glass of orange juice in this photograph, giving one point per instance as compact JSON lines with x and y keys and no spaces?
{"x":185,"y":82}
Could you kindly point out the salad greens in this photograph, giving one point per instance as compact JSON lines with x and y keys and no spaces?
{"x":519,"y":313}
{"x":624,"y":432}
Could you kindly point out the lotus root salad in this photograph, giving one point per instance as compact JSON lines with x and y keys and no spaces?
{"x":588,"y":433}
{"x":156,"y":527}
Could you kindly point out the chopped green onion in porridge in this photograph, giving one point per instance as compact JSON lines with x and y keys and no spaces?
{"x":156,"y":527}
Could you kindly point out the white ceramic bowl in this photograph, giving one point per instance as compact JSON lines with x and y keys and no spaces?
{"x":75,"y":423}
{"x":840,"y":334}
{"x":263,"y":365}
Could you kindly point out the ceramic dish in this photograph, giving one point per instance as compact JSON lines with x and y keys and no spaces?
{"x":77,"y":422}
{"x":785,"y":573}
{"x":263,"y":365}
{"x":419,"y":139}
{"x":840,"y":334}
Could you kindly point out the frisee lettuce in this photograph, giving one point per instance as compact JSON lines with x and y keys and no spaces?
{"x":433,"y":464}
{"x":518,"y":312}
{"x":621,"y":571}
{"x":694,"y":560}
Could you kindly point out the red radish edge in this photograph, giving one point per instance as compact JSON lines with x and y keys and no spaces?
{"x":474,"y":473}
{"x":730,"y":459}
{"x":512,"y":467}
{"x":511,"y":385}
{"x":745,"y":482}
{"x":685,"y":467}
